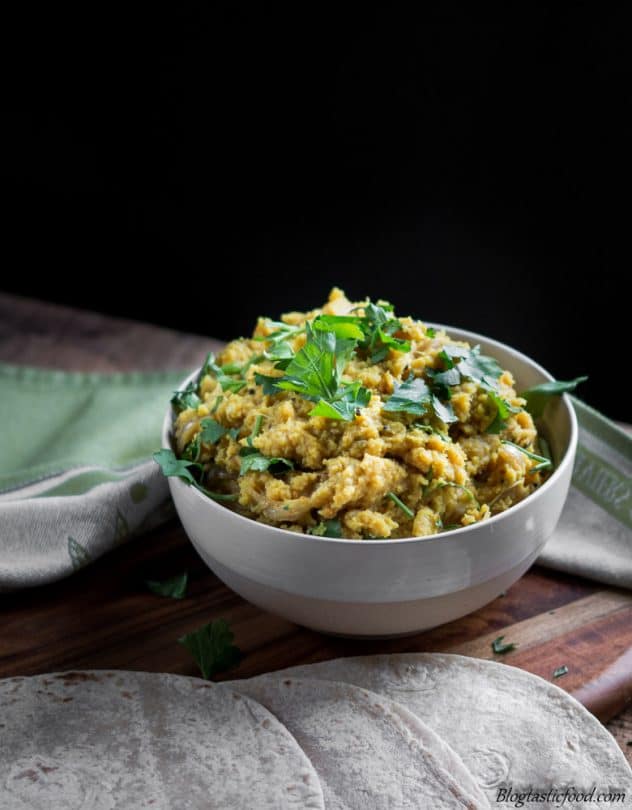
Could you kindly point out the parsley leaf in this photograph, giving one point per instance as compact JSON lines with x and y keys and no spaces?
{"x":315,"y":372}
{"x":212,"y":647}
{"x":474,"y":366}
{"x":282,"y":331}
{"x":560,"y":671}
{"x":411,"y":396}
{"x":327,"y":528}
{"x":187,"y":398}
{"x":175,"y":587}
{"x":430,"y":331}
{"x":539,"y":395}
{"x":173,"y":467}
{"x":222,"y":374}
{"x":268,"y":383}
{"x":503,"y":410}
{"x":343,"y":326}
{"x":379,"y":327}
{"x":254,"y":461}
{"x":212,"y":431}
{"x":405,"y":509}
{"x":500,"y":647}
{"x":543,"y":462}
{"x":414,"y":396}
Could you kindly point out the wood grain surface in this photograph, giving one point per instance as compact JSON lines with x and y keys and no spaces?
{"x":104,"y":616}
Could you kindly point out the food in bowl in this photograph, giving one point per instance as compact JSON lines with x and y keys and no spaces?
{"x":350,"y":422}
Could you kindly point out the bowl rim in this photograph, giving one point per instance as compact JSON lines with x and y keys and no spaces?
{"x":566,"y":460}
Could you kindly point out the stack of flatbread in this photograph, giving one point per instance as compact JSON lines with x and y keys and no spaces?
{"x":400,"y":731}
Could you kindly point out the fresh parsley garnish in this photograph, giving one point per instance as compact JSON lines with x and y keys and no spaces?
{"x":187,"y":398}
{"x":173,"y":467}
{"x":268,"y":383}
{"x":500,"y":647}
{"x":212,"y":647}
{"x":212,"y":431}
{"x":193,"y":449}
{"x":398,"y":502}
{"x":379,"y":326}
{"x":315,"y":372}
{"x":175,"y":587}
{"x":222,"y":374}
{"x":281,"y":332}
{"x":430,"y":331}
{"x":503,"y":410}
{"x":543,"y":462}
{"x":539,"y":395}
{"x":560,"y":671}
{"x":254,"y":461}
{"x":327,"y":528}
{"x":346,"y":327}
{"x":415,"y":397}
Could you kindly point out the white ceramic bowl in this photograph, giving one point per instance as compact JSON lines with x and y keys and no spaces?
{"x":385,"y":587}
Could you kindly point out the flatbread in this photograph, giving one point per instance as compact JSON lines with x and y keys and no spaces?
{"x":509,"y":726}
{"x":368,"y":751}
{"x":104,"y":740}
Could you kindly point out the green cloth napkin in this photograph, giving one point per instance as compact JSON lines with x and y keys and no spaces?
{"x":77,"y":479}
{"x":76,"y":475}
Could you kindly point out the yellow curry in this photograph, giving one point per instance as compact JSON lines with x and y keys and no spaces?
{"x":349,"y":421}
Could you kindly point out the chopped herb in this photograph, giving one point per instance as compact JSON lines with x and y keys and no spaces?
{"x":211,"y":431}
{"x":268,"y":383}
{"x":256,"y":429}
{"x":187,"y":398}
{"x":193,"y":449}
{"x":224,"y":377}
{"x":439,"y":523}
{"x":315,"y":372}
{"x":560,"y":671}
{"x":281,"y":331}
{"x":503,"y":410}
{"x":539,"y":395}
{"x":443,"y":411}
{"x":218,"y":402}
{"x":453,"y":484}
{"x":173,"y":467}
{"x":430,"y":331}
{"x":327,"y":528}
{"x":430,"y":478}
{"x":412,"y":396}
{"x":475,"y":366}
{"x":343,"y":326}
{"x":543,"y":464}
{"x":405,"y":509}
{"x":448,"y":527}
{"x":500,"y":648}
{"x":212,"y":647}
{"x":254,"y":461}
{"x":175,"y":587}
{"x":379,"y":327}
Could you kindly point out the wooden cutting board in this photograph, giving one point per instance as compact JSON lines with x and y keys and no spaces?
{"x":104,"y":617}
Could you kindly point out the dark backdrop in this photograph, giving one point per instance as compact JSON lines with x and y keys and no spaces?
{"x":199,"y":168}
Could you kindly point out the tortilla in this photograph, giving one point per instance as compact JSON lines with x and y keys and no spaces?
{"x":368,"y":751}
{"x":104,"y":740}
{"x":509,"y":726}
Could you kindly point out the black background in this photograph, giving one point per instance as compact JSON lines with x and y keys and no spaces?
{"x":204,"y":166}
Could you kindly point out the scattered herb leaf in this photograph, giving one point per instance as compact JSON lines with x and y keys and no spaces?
{"x":560,"y":671}
{"x":539,"y":395}
{"x":187,"y":398}
{"x":173,"y":467}
{"x":412,"y":396}
{"x":500,"y":647}
{"x":503,"y":410}
{"x":327,"y":528}
{"x":543,"y":463}
{"x":212,"y":647}
{"x":405,"y":509}
{"x":175,"y":587}
{"x":254,"y":461}
{"x":430,"y":331}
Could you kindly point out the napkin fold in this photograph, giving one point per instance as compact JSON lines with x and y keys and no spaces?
{"x":76,"y":475}
{"x":77,"y":479}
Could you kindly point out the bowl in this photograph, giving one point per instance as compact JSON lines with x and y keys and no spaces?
{"x":380,"y":588}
